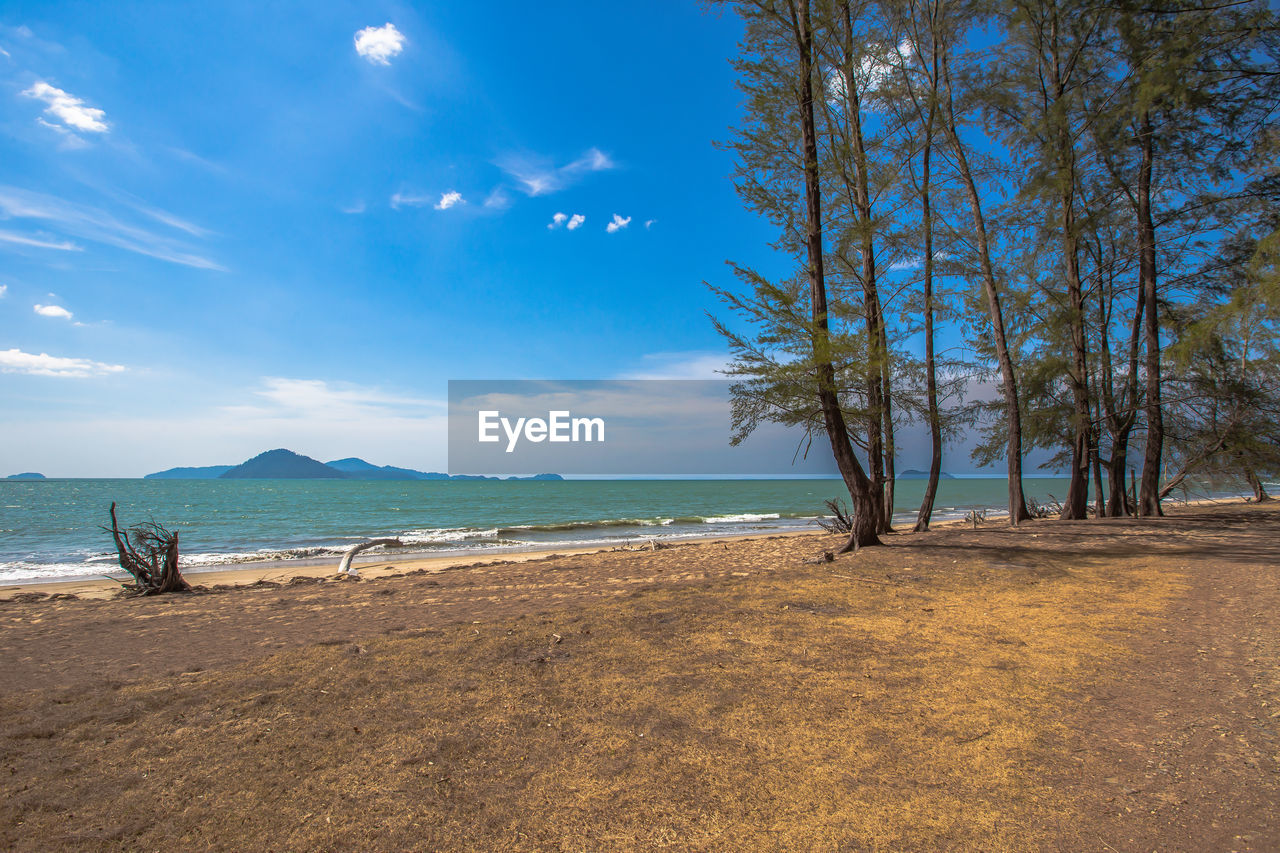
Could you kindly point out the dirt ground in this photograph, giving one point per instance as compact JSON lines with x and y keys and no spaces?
{"x":1107,"y":685}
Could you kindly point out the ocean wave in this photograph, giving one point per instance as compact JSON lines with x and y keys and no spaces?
{"x":599,"y":524}
{"x":434,"y":535}
{"x":742,"y":518}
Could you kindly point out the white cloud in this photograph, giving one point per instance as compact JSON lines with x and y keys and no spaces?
{"x":53,"y":311}
{"x":97,"y":225}
{"x":68,"y":109}
{"x":576,"y":221}
{"x":379,"y":44}
{"x":680,"y":365}
{"x":449,"y":199}
{"x":39,"y":242}
{"x":4,"y":289}
{"x":357,"y":207}
{"x":400,"y":200}
{"x":648,"y":223}
{"x":557,"y":220}
{"x":498,"y":199}
{"x":617,"y":224}
{"x":17,"y":361}
{"x":539,"y":178}
{"x":305,"y":397}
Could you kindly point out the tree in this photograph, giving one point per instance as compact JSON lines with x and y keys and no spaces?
{"x":954,"y":103}
{"x":789,"y":368}
{"x":148,"y":552}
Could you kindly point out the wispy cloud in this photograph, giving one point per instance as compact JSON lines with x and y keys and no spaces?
{"x":4,"y":289}
{"x":308,"y":396}
{"x":680,"y":365}
{"x":617,"y":224}
{"x":356,"y":207}
{"x":39,"y":242}
{"x":91,"y":223}
{"x":649,"y":223}
{"x":498,"y":199}
{"x":399,"y":200}
{"x":166,"y":218}
{"x":17,"y":361}
{"x":379,"y":44}
{"x":449,"y":199}
{"x":53,"y":311}
{"x":68,"y":109}
{"x":536,"y":177}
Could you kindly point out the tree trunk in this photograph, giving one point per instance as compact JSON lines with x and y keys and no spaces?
{"x":1099,"y":500}
{"x":1259,"y":493}
{"x":1149,"y":496}
{"x":1120,"y":423}
{"x":1075,"y":505}
{"x":1009,"y":387}
{"x":879,"y":425}
{"x":931,"y":368}
{"x":861,"y":494}
{"x":1078,"y":487}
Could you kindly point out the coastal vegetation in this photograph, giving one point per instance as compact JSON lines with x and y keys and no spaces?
{"x":1054,"y":221}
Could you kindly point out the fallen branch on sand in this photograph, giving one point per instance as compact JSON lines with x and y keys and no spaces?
{"x":345,"y":567}
{"x":149,"y":552}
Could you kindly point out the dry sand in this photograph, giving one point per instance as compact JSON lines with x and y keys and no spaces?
{"x":1108,"y":685}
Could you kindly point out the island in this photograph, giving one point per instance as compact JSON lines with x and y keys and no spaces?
{"x":282,"y":464}
{"x":913,"y":474}
{"x":29,"y":475}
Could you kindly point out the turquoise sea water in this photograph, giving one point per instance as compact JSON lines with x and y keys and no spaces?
{"x":50,"y":529}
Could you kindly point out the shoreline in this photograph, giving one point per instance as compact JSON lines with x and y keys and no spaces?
{"x":378,"y":566}
{"x":371,"y":567}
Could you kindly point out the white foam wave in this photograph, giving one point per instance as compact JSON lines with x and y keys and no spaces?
{"x":741,"y":518}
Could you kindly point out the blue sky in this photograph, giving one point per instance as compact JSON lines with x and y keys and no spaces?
{"x":227,"y":227}
{"x":239,"y":224}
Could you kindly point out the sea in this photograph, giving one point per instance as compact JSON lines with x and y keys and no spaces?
{"x":53,"y":529}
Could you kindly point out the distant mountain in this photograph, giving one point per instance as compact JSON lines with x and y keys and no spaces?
{"x":286,"y":465}
{"x":208,"y":472}
{"x":358,"y":469}
{"x":283,"y":464}
{"x":913,"y":474}
{"x":29,"y":475}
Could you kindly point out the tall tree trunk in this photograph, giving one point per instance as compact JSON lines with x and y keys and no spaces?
{"x":1009,"y":382}
{"x":1078,"y":487}
{"x":1120,"y":415}
{"x":890,"y":450}
{"x":1259,"y":493}
{"x":879,"y":428}
{"x":931,"y":368}
{"x":1057,"y":112}
{"x":1095,"y":456}
{"x":861,"y":494}
{"x":1149,"y":496}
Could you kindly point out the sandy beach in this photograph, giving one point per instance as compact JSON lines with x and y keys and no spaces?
{"x":1068,"y":685}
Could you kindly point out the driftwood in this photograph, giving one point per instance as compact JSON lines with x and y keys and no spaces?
{"x":840,"y":521}
{"x":345,"y":567}
{"x":149,"y":553}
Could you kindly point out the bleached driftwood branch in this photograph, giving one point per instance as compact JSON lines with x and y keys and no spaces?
{"x":349,"y":570}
